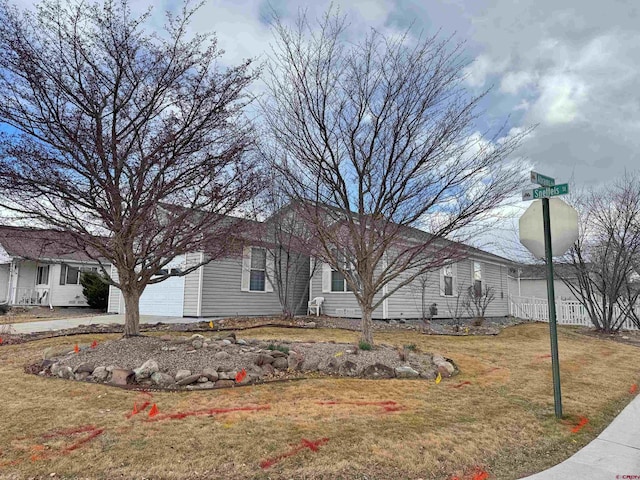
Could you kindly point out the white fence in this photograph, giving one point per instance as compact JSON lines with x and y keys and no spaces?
{"x":568,"y":312}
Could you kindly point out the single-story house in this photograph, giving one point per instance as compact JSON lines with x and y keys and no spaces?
{"x":41,"y":267}
{"x":530,"y":281}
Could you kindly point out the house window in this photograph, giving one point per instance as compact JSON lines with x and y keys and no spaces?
{"x":477,"y":279}
{"x":447,"y":274}
{"x":70,"y":275}
{"x":338,"y":280}
{"x":42,"y":275}
{"x":257,"y":275}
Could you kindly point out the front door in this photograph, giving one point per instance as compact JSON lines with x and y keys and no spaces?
{"x":42,"y":285}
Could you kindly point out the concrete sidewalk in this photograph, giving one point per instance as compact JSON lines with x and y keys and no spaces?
{"x":615,"y":454}
{"x":64,"y":323}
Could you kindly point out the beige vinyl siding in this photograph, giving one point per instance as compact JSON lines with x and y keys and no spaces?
{"x":114,"y":303}
{"x":299,"y":288}
{"x":222,"y":294}
{"x":339,"y":304}
{"x":406,"y":302}
{"x":192,"y":285}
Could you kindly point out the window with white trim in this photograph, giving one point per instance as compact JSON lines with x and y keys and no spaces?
{"x":477,"y":279}
{"x":258,"y":271}
{"x":70,"y":275}
{"x":338,"y":280}
{"x":447,"y":274}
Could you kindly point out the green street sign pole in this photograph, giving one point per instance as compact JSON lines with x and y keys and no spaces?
{"x":555,"y":361}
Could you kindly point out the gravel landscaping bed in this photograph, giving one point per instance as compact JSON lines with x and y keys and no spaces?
{"x":200,"y":362}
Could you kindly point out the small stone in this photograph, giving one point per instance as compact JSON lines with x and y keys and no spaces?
{"x":162,"y":379}
{"x":191,"y":351}
{"x":240,"y":341}
{"x":197,"y":336}
{"x":55,"y":368}
{"x":201,"y":386}
{"x":221,"y":355}
{"x":210,"y":373}
{"x":225,"y":383}
{"x":147,"y":369}
{"x":166,"y":338}
{"x":310,"y":325}
{"x":197,"y":344}
{"x":280,"y":363}
{"x":100,"y":374}
{"x":203,"y":379}
{"x":65,"y":372}
{"x":625,"y":337}
{"x":122,"y":376}
{"x":406,"y":371}
{"x":226,"y":341}
{"x":188,"y":380}
{"x":180,"y":374}
{"x":277,"y":354}
{"x":393,"y":322}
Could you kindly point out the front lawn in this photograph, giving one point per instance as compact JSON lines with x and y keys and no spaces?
{"x":496,"y":416}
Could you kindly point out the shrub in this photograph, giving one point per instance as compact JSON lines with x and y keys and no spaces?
{"x":280,"y":348}
{"x":411,"y":347}
{"x":478,"y":321}
{"x":4,"y":308}
{"x":95,"y":289}
{"x":364,"y":345}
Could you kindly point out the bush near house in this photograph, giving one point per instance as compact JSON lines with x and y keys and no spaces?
{"x":95,"y":289}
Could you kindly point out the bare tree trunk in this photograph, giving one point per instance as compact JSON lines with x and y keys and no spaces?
{"x":366,"y":326}
{"x":132,"y":313}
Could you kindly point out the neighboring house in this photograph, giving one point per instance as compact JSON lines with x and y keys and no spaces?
{"x":41,"y":267}
{"x":530,"y":281}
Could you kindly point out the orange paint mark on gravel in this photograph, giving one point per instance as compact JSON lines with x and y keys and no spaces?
{"x":304,"y":444}
{"x":76,"y":348}
{"x":241,"y":375}
{"x":94,"y":344}
{"x":206,"y":412}
{"x":633,"y":389}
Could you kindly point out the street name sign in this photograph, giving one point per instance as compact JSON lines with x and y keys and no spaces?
{"x":545,"y":192}
{"x":542,"y":179}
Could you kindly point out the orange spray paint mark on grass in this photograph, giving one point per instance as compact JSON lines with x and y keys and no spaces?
{"x":461,"y":384}
{"x":633,"y":389}
{"x":304,"y":444}
{"x":136,"y":410}
{"x":207,"y":412}
{"x":581,"y":424}
{"x":477,"y":474}
{"x":76,"y":348}
{"x":154,"y":411}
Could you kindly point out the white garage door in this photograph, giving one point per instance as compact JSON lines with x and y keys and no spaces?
{"x":164,"y":298}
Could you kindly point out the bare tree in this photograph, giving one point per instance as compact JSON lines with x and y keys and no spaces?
{"x":290,"y":245}
{"x":134,"y":143}
{"x":477,"y":302}
{"x":375,"y":136}
{"x":604,"y":258}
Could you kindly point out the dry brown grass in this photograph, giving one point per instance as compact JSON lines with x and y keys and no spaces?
{"x":502,"y":421}
{"x":40,"y":314}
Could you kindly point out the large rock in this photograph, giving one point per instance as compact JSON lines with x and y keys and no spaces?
{"x":280,"y":363}
{"x":406,"y":371}
{"x":222,"y":355}
{"x":82,"y":376}
{"x":122,"y":376}
{"x":84,"y":367}
{"x":55,"y":368}
{"x":332,"y":365}
{"x":446,"y":369}
{"x":201,"y":386}
{"x":65,"y":372}
{"x":310,"y":365}
{"x":349,"y":369}
{"x":294,"y":361}
{"x":188,"y":380}
{"x":263,"y":359}
{"x":100,"y":374}
{"x":162,"y":379}
{"x":147,"y":369}
{"x":378,"y":370}
{"x":180,"y":374}
{"x":277,"y":354}
{"x":225,"y":383}
{"x":268,"y":369}
{"x":210,"y":373}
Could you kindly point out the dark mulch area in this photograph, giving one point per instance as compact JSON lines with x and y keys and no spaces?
{"x":629,"y":337}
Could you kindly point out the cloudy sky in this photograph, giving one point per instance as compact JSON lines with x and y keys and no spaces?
{"x":570,"y":67}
